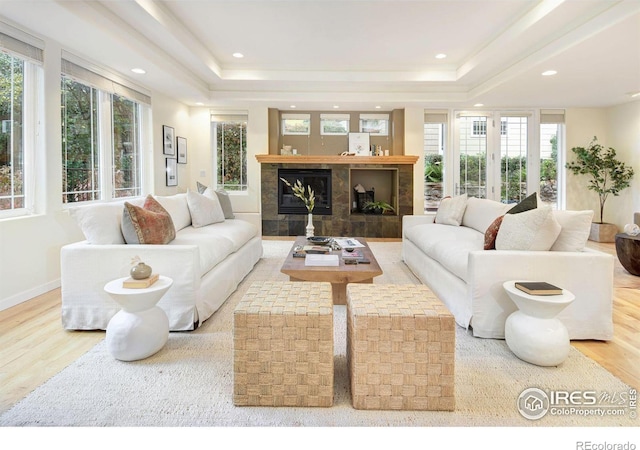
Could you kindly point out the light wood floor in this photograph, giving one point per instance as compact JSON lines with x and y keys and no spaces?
{"x":34,"y":347}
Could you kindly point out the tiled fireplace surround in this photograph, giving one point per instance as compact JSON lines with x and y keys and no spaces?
{"x":342,"y":222}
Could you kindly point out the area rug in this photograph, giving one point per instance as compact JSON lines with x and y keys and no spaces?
{"x":190,"y":381}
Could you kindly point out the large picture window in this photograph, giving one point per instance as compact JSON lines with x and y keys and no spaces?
{"x":230,"y":142}
{"x":20,"y":92}
{"x":101,"y":137}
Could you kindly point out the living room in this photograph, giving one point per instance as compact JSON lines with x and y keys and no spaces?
{"x":183,"y":69}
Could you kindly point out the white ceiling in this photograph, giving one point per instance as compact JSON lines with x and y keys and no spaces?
{"x":355,"y":53}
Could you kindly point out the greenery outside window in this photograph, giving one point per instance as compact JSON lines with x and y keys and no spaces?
{"x":101,"y":137}
{"x":20,"y":93}
{"x":296,"y":124}
{"x":334,"y":124}
{"x":230,"y":142}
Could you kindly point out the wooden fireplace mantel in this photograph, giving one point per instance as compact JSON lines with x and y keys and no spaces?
{"x":335,"y":159}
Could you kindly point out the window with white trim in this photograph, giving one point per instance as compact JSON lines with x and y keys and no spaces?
{"x":101,"y":137}
{"x":374,"y":124}
{"x":20,"y":93}
{"x":334,"y":124}
{"x":296,"y":124}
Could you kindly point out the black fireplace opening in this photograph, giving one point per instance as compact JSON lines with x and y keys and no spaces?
{"x":320,"y":182}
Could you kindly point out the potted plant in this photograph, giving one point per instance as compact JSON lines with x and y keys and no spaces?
{"x":378,"y":207}
{"x":607,"y":175}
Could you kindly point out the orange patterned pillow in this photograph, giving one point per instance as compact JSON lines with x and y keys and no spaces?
{"x":149,"y":224}
{"x":492,"y":233}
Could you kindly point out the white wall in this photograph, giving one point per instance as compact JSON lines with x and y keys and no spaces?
{"x":617,"y":127}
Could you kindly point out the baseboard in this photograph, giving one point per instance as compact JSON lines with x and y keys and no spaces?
{"x":28,"y":295}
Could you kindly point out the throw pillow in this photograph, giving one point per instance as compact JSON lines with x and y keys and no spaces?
{"x":149,"y":224}
{"x":576,"y":226}
{"x":205,"y":209}
{"x":225,"y":202}
{"x":100,"y":223}
{"x":530,"y":202}
{"x":201,"y":187}
{"x":535,"y":229}
{"x":492,"y":233}
{"x":451,"y":210}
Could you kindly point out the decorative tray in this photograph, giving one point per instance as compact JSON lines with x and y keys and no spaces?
{"x":320,"y":240}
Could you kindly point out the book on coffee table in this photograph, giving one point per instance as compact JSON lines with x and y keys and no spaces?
{"x":538,"y":288}
{"x":321,"y":260}
{"x":353,"y":254}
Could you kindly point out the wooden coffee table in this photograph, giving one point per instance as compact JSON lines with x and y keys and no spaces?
{"x":338,"y":276}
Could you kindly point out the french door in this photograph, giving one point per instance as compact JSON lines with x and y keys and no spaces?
{"x":492,"y":155}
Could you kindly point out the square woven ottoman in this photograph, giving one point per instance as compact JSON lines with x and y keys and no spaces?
{"x":283,"y":345}
{"x":400,"y":348}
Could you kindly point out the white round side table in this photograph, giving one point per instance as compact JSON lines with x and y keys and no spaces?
{"x":141,"y":328}
{"x":534,"y":333}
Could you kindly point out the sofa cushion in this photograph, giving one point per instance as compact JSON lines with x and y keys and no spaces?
{"x":576,"y":226}
{"x":451,"y":210}
{"x":176,"y":206}
{"x":204,"y":209}
{"x":526,"y":204}
{"x":238,"y":232}
{"x":212,"y":248}
{"x":535,"y":229}
{"x":481,"y":212}
{"x":149,"y":224}
{"x":492,"y":233}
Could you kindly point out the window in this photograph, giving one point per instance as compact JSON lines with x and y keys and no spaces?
{"x":334,"y":124}
{"x":296,"y":124}
{"x":20,"y":91}
{"x":434,"y":164}
{"x":230,"y":145}
{"x":101,"y":137}
{"x":551,"y":158}
{"x":480,"y":128}
{"x":374,"y":124}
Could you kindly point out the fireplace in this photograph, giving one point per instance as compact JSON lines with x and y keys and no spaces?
{"x":320,"y":182}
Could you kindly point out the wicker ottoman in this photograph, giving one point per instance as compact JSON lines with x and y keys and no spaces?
{"x":400,"y":348}
{"x":283,"y":345}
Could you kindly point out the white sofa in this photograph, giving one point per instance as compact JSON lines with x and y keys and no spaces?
{"x":451,"y":260}
{"x":205,"y":263}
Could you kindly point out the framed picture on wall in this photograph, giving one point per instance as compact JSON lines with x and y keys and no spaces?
{"x":172,"y":172}
{"x":182,"y":150}
{"x":168,"y":139}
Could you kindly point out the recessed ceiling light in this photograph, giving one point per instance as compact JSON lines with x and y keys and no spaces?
{"x":238,"y":55}
{"x":477,"y":105}
{"x":548,"y":73}
{"x":336,"y":106}
{"x":138,"y":70}
{"x":441,"y":56}
{"x":635,"y":94}
{"x":292,"y":106}
{"x":199,"y":103}
{"x":378,"y":106}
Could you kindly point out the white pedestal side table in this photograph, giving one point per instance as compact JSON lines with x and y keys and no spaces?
{"x":141,"y":328}
{"x":534,"y":333}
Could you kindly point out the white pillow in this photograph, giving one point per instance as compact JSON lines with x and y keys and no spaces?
{"x":176,"y":206}
{"x":451,"y":210}
{"x":535,"y":229}
{"x":205,"y":210}
{"x":576,"y":226}
{"x":100,"y":223}
{"x":480,"y":213}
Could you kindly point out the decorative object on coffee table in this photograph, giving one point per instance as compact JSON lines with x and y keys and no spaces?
{"x":140,"y":271}
{"x":400,"y":348}
{"x":534,"y":333}
{"x":628,"y":251}
{"x":283,"y":345}
{"x":141,"y":328}
{"x":309,"y":199}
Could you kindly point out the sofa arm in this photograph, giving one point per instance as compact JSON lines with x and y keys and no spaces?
{"x":412,"y":221}
{"x":587,"y":274}
{"x":86,"y":268}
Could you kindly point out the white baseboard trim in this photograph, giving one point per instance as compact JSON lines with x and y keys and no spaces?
{"x":28,"y":295}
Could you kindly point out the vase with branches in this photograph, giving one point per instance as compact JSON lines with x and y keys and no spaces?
{"x":308,"y":198}
{"x":608,"y":175}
